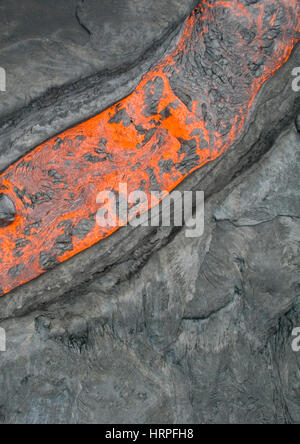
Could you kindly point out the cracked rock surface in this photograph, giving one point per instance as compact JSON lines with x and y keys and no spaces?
{"x":150,"y":326}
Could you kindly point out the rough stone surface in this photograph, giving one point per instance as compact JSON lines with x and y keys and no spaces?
{"x":43,"y":47}
{"x":298,"y":123}
{"x":7,"y":210}
{"x":152,"y":327}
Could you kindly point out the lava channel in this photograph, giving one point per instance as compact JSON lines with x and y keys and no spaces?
{"x":184,"y":113}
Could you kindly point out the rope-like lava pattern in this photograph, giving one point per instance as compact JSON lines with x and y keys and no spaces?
{"x":186,"y":112}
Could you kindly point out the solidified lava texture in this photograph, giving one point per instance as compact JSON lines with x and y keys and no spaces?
{"x":186,"y":112}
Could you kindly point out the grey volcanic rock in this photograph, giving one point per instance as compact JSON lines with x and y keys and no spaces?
{"x":7,"y":210}
{"x":122,"y":31}
{"x":43,"y":46}
{"x":297,"y":121}
{"x":150,"y":326}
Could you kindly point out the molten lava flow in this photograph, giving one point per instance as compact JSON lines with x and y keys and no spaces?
{"x":186,"y":112}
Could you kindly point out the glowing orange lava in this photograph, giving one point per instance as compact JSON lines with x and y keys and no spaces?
{"x":186,"y":112}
